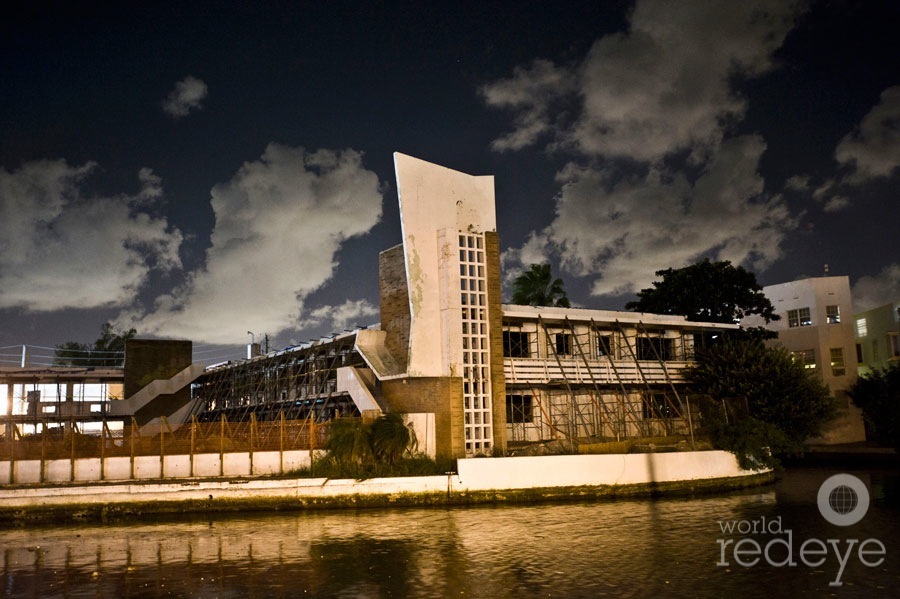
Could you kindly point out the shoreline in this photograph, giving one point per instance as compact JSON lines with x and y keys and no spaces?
{"x":478,"y":481}
{"x":220,"y":502}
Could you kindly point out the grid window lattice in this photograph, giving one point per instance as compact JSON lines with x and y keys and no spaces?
{"x":476,"y":358}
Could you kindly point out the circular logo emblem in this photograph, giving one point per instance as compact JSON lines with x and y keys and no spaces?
{"x":843,"y":499}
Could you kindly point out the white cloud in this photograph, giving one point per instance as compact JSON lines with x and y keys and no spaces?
{"x":626,"y":229}
{"x":637,"y":102}
{"x":188,"y":94}
{"x":280,"y":222}
{"x":347,"y":316}
{"x":873,"y":148}
{"x":836,"y":204}
{"x":873,"y":291}
{"x":60,"y":249}
{"x":532,"y":93}
{"x":661,"y":87}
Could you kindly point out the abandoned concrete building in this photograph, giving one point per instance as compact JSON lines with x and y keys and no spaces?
{"x":474,"y":375}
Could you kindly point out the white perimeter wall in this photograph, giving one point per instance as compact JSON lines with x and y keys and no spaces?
{"x":476,"y":474}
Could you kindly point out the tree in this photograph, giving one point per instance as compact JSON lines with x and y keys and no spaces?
{"x":355,"y":442}
{"x":878,"y":395}
{"x":107,"y":351}
{"x":708,"y":292}
{"x":537,"y":287}
{"x":758,"y":401}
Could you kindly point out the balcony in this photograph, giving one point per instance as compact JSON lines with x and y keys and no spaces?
{"x":540,"y":371}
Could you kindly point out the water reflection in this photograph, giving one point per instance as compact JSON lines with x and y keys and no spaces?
{"x":625,"y":548}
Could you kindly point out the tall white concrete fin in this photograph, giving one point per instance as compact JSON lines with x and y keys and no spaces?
{"x":436,"y":203}
{"x":445,"y":215}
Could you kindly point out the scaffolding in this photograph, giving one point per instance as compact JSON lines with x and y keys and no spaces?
{"x":589,"y":380}
{"x":298,"y":383}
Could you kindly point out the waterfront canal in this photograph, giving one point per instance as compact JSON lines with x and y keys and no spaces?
{"x":629,"y":548}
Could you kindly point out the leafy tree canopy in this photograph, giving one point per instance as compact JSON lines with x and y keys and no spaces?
{"x":759,"y":402}
{"x":878,"y":394}
{"x":537,"y":287}
{"x":107,"y":351}
{"x":706,"y":292}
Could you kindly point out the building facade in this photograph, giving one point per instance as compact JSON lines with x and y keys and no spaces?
{"x":477,"y":375}
{"x":817,"y":327}
{"x":878,"y":337}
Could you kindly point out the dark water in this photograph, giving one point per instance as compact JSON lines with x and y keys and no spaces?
{"x":640,"y":548}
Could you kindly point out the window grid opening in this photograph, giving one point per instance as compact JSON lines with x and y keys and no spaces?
{"x":477,"y":408}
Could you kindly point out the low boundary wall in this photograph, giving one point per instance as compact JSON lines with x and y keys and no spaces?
{"x":478,"y":479}
{"x":142,"y":468}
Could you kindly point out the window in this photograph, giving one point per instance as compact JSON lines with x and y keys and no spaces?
{"x":799,"y":318}
{"x":655,"y":348}
{"x":832,"y":314}
{"x":806,"y":357}
{"x":894,"y":344}
{"x":563,"y":344}
{"x":516,"y":344}
{"x":657,"y":406}
{"x":861,"y":329}
{"x":604,"y":345}
{"x":518,"y":409}
{"x":837,"y":361}
{"x":859,"y":353}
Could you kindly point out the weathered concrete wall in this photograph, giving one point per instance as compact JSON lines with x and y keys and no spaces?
{"x":152,"y":468}
{"x":475,"y":475}
{"x":442,"y":396}
{"x":495,"y":322}
{"x":149,"y":359}
{"x":394,"y":298}
{"x":577,"y":470}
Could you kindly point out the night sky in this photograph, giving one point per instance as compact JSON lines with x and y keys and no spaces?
{"x":201,"y":170}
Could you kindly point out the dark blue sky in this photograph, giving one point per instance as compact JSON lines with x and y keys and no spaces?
{"x":624,"y":138}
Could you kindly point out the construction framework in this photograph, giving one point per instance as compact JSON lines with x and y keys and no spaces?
{"x":589,"y":379}
{"x":298,"y":383}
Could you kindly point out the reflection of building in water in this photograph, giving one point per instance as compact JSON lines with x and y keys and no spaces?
{"x":485,"y":373}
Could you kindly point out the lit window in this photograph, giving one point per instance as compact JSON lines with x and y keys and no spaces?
{"x":832,"y":314}
{"x":806,"y":357}
{"x":861,"y":329}
{"x":799,"y":318}
{"x":837,"y":361}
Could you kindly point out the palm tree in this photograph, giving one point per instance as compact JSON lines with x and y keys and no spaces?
{"x":537,"y":287}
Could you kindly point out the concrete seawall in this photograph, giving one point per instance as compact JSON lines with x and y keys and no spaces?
{"x":478,"y":480}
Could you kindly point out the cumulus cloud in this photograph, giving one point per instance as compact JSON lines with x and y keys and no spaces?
{"x":188,"y":95}
{"x":873,"y":291}
{"x":61,"y":249}
{"x":873,"y":148}
{"x":347,"y":316}
{"x":625,"y":229}
{"x":533,"y":93}
{"x":280,"y":222}
{"x":662,"y":86}
{"x":655,"y":180}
